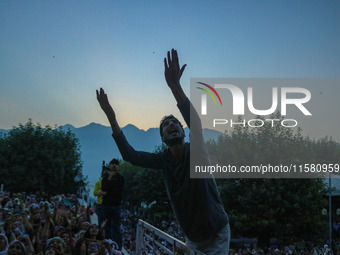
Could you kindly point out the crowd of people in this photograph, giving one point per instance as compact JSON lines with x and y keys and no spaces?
{"x":40,"y":224}
{"x":171,"y":227}
{"x":63,"y":224}
{"x":36,"y":224}
{"x":284,"y":250}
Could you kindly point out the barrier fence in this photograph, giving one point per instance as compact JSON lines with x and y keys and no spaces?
{"x":153,"y":240}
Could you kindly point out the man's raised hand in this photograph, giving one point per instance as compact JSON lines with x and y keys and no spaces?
{"x":172,"y":70}
{"x":108,"y":110}
{"x":104,"y":102}
{"x":173,"y":73}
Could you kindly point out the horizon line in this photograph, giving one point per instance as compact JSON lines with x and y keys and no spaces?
{"x":91,"y":123}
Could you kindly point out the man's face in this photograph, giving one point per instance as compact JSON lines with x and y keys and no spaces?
{"x":85,"y":225}
{"x":65,"y":237}
{"x":15,"y":249}
{"x":172,"y":131}
{"x":73,"y":221}
{"x":113,"y":168}
{"x":94,"y":230}
{"x":17,"y":226}
{"x":57,"y":244}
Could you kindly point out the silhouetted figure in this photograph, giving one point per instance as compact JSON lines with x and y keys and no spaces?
{"x":195,"y":202}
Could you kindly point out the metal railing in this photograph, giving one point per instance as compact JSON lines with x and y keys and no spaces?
{"x":150,"y":238}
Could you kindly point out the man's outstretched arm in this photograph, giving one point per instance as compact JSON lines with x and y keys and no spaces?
{"x":108,"y":110}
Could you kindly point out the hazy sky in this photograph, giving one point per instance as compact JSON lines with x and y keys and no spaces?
{"x":55,"y":54}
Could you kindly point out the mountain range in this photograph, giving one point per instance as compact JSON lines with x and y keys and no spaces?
{"x":97,"y":144}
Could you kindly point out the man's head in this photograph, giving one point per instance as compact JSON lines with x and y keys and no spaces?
{"x":66,"y":237}
{"x":94,"y":230}
{"x":56,"y":243}
{"x":113,"y":165}
{"x":171,"y":130}
{"x":93,"y":248}
{"x":86,"y":225}
{"x":16,"y":248}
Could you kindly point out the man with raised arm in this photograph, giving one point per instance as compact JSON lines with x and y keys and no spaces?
{"x":196,"y":202}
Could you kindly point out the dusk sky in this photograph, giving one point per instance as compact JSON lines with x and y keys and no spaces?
{"x":55,"y":54}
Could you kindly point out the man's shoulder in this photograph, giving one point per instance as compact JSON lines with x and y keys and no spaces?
{"x":105,"y":178}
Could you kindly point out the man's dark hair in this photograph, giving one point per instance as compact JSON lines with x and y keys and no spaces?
{"x":164,"y":119}
{"x":114,"y":162}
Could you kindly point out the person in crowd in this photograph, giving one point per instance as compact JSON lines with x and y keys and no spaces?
{"x":97,"y":192}
{"x":94,"y":232}
{"x":92,"y":248}
{"x":16,"y":248}
{"x":85,"y":225}
{"x":3,"y":244}
{"x":112,"y":190}
{"x":57,"y":244}
{"x":68,"y":240}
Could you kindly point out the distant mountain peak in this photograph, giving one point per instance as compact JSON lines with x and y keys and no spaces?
{"x":131,"y":127}
{"x":93,"y":124}
{"x":152,"y":129}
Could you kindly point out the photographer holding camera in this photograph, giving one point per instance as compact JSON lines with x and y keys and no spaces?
{"x":112,"y":189}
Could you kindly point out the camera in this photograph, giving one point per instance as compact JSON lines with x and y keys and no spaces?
{"x":105,"y":171}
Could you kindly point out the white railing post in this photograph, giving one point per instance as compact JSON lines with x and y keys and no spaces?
{"x":139,"y":238}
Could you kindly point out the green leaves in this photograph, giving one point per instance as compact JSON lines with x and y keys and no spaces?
{"x":287,"y":209}
{"x":145,"y":186}
{"x":46,"y":159}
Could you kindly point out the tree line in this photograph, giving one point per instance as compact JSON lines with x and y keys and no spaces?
{"x":288,"y":210}
{"x":40,"y":159}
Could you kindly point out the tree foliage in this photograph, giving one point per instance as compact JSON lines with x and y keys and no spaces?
{"x":287,"y":209}
{"x":33,"y":158}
